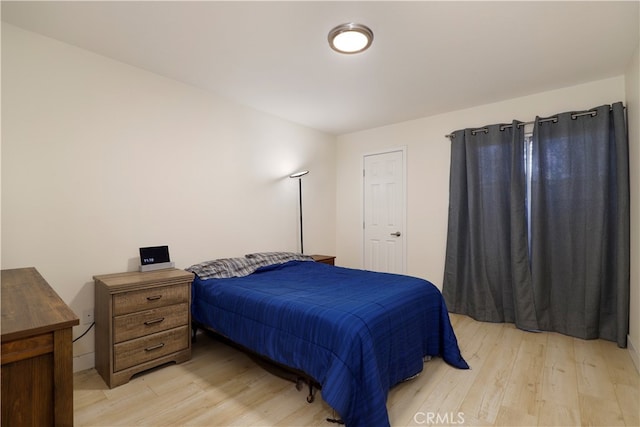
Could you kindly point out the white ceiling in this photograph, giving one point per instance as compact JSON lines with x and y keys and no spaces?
{"x":426,"y":58}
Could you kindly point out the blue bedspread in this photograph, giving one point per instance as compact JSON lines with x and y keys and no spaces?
{"x":356,"y":332}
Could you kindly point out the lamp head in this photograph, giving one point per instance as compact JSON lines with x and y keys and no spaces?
{"x":298,"y":174}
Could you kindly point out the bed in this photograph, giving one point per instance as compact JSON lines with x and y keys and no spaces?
{"x":357,"y":333}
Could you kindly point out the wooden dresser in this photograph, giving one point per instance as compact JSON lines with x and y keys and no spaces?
{"x":142,"y":321}
{"x":37,"y":352}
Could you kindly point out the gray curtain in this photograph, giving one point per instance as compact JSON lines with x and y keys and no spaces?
{"x":580,"y":224}
{"x":487,"y":272}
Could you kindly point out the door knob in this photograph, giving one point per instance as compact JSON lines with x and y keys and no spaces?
{"x":397,"y":234}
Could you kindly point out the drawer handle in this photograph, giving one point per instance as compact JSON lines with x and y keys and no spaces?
{"x":154,"y":297}
{"x":151,"y":322}
{"x":154,"y":347}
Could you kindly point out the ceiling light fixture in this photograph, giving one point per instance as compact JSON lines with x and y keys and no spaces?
{"x":350,"y":38}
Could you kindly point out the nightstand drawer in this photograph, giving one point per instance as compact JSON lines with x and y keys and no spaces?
{"x":147,"y":322}
{"x":140,"y":350}
{"x":145,"y":299}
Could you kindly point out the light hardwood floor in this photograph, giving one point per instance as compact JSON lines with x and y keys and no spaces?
{"x":517,"y":379}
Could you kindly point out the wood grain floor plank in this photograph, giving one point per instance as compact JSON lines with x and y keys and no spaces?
{"x":559,"y":379}
{"x":629,"y":401}
{"x":485,"y":396}
{"x":522,"y":394}
{"x":592,"y":373}
{"x":596,"y":411}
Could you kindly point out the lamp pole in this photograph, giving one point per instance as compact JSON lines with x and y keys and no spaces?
{"x":299,"y":175}
{"x":301,"y":229}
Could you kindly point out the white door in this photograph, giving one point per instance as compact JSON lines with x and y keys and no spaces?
{"x":384,"y":212}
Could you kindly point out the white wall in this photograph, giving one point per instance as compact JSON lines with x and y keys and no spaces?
{"x":100,"y":158}
{"x":428,"y":154}
{"x":632,"y":80}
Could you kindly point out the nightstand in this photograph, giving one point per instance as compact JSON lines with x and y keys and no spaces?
{"x":325,"y":259}
{"x":142,"y":321}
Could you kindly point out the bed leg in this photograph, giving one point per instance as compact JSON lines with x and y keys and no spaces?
{"x":335,"y":419}
{"x":300,"y":383}
{"x":311,"y":397}
{"x":194,"y":331}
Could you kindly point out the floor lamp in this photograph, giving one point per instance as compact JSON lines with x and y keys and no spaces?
{"x":299,"y":175}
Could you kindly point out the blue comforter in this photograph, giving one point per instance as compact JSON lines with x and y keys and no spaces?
{"x":356,"y":332}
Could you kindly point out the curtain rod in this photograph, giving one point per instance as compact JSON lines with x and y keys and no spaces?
{"x":550,"y":119}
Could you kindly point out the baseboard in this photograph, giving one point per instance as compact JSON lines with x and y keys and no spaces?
{"x":84,"y":362}
{"x":633,"y":352}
